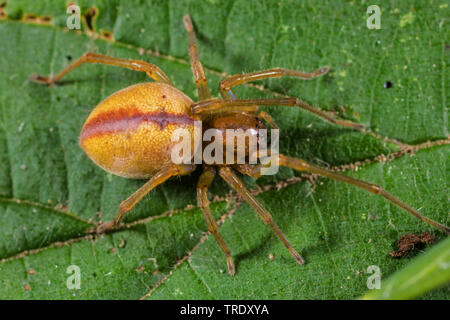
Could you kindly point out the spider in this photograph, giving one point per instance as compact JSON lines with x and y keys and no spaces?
{"x":129,"y":135}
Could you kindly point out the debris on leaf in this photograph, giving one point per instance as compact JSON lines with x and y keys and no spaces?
{"x":409,"y":242}
{"x":140,"y":269}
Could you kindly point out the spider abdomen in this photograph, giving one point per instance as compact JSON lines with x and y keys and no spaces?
{"x":129,"y":133}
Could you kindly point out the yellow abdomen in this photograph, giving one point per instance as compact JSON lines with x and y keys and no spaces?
{"x":129,"y":133}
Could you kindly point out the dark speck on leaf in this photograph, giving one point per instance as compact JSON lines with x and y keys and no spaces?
{"x":388,"y":85}
{"x":410,"y":242}
{"x":69,"y":58}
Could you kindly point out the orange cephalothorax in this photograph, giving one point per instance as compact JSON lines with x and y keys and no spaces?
{"x":244,"y":128}
{"x":129,"y":133}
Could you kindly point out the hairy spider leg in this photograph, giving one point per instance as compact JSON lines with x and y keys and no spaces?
{"x":196,"y":65}
{"x":230,"y":177}
{"x":302,"y":165}
{"x":151,"y":70}
{"x":161,"y":176}
{"x":238,"y":79}
{"x":212,"y":106}
{"x":203,"y":184}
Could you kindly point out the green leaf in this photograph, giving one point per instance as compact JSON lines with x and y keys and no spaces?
{"x":430,"y":270}
{"x":52,"y":195}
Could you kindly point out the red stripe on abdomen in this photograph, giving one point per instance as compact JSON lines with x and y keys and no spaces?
{"x":124,"y":119}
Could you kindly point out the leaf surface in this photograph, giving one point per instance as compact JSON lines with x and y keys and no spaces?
{"x":52,"y":195}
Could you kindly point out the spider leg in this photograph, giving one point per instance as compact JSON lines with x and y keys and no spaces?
{"x":152,"y":71}
{"x":237,"y":79}
{"x":160,"y":177}
{"x":253,"y":171}
{"x":217,"y":106}
{"x":230,"y":177}
{"x":268,"y":118}
{"x":196,"y":65}
{"x":203,"y":184}
{"x":301,"y":165}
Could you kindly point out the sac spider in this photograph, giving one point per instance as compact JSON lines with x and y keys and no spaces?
{"x":129,"y":134}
